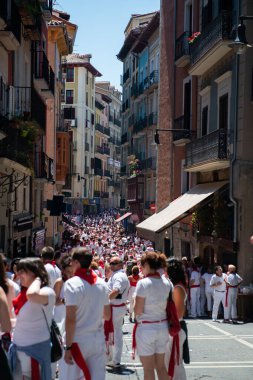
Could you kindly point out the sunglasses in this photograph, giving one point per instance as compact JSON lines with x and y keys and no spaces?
{"x":114,"y":263}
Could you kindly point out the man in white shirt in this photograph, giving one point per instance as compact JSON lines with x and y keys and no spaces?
{"x":47,"y":255}
{"x":195,"y":292}
{"x":87,"y":304}
{"x":218,"y":284}
{"x":118,"y":285}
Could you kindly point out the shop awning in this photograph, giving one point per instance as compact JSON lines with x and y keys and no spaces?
{"x":126,"y":215}
{"x":177,"y":209}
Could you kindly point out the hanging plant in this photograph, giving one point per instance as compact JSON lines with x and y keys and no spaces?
{"x":193,"y":38}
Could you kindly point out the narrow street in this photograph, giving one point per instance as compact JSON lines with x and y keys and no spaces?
{"x":218,"y":352}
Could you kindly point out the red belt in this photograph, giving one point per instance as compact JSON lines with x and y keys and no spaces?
{"x":134,"y":333}
{"x":80,"y":361}
{"x":194,"y":286}
{"x":229,"y":286}
{"x":120,"y":305}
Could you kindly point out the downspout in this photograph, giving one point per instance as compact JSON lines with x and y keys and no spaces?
{"x":233,"y":160}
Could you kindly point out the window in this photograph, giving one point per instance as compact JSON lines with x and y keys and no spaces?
{"x":70,"y":74}
{"x":87,"y":77}
{"x":24,"y":199}
{"x":223,"y":112}
{"x":69,"y":96}
{"x":188,"y":17}
{"x":69,"y":113}
{"x":207,"y":13}
{"x":87,"y":99}
{"x":204,"y":121}
{"x":187,"y":105}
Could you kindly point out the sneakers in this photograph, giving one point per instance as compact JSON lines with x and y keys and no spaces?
{"x":225,"y":321}
{"x":111,"y":364}
{"x":214,"y":320}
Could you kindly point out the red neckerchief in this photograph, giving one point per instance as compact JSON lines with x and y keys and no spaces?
{"x":20,"y":300}
{"x":52,"y":262}
{"x":136,"y":277}
{"x":87,"y":275}
{"x":156,"y":275}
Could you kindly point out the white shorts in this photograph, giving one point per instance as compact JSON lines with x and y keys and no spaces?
{"x":152,"y":338}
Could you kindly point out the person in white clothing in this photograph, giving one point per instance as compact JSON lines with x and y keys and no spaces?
{"x":206,"y":278}
{"x":151,"y":333}
{"x":195,"y":292}
{"x":218,"y":284}
{"x":118,"y":285}
{"x":232,"y":280}
{"x":87,"y":304}
{"x":47,"y":255}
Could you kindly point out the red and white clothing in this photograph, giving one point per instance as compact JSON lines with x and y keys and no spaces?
{"x":53,"y":272}
{"x":133,"y":280}
{"x":232,"y":282}
{"x":118,"y":281}
{"x":89,"y":332}
{"x":208,"y":290}
{"x":152,"y":337}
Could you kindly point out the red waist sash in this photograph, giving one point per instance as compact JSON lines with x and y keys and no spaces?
{"x":194,"y":286}
{"x":80,"y":361}
{"x":109,"y":329}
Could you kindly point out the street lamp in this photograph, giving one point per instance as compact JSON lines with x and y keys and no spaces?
{"x":157,"y":137}
{"x":240,"y":42}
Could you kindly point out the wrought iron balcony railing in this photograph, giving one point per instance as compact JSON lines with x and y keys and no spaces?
{"x":140,"y":124}
{"x":103,"y":150}
{"x":182,"y":46}
{"x":104,"y":194}
{"x":42,"y":69}
{"x":218,"y":29}
{"x":126,"y":75}
{"x":211,"y":147}
{"x":97,"y":193}
{"x":152,"y":119}
{"x":104,"y":130}
{"x":98,"y":171}
{"x":154,"y":77}
{"x":38,"y":109}
{"x":184,"y":124}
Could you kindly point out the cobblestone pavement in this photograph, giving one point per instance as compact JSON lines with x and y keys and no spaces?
{"x":218,"y":352}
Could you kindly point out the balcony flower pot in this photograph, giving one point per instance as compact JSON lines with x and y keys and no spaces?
{"x":193,"y":38}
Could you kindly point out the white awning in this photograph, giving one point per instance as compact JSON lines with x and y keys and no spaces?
{"x":126,"y":215}
{"x":177,"y":209}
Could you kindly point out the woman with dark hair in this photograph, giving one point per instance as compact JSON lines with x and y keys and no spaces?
{"x":151,"y":333}
{"x":133,"y":280}
{"x":34,"y":309}
{"x":7,"y":285}
{"x":176,"y":275}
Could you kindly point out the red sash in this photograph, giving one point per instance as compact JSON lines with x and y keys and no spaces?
{"x":156,"y":275}
{"x":19,"y":301}
{"x":87,"y":275}
{"x":109,"y":329}
{"x":79,"y":359}
{"x":194,"y":286}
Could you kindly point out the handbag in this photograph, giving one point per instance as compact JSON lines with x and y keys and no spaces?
{"x":56,"y":340}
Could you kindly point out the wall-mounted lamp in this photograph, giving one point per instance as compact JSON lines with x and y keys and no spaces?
{"x":240,"y":43}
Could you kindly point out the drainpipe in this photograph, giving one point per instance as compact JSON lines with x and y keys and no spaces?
{"x":231,"y":190}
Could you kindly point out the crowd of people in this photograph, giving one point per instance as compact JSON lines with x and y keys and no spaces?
{"x":88,"y":286}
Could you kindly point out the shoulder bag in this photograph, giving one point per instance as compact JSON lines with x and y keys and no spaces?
{"x":56,"y":340}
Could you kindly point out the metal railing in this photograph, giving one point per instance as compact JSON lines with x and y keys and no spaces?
{"x":42,"y":69}
{"x":104,"y":130}
{"x":152,"y":119}
{"x":154,"y":77}
{"x":186,"y":133}
{"x":38,"y":109}
{"x":218,"y":29}
{"x":98,"y":171}
{"x":103,"y":150}
{"x":182,"y":45}
{"x":211,"y":147}
{"x":104,"y":194}
{"x":126,"y":76}
{"x":140,"y":124}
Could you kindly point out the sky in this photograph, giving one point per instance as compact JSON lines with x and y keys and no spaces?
{"x":101,"y":25}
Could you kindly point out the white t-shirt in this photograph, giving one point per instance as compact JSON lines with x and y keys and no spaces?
{"x":215,"y":279}
{"x":53,"y":273}
{"x":233,"y":279}
{"x":31,"y":327}
{"x":119,"y":281}
{"x":207,"y":278}
{"x":196,"y":277}
{"x":156,"y":292}
{"x":90,"y":301}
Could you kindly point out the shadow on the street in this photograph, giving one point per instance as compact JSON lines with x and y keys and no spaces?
{"x":124,"y":371}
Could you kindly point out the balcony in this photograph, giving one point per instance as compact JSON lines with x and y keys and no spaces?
{"x":103,"y":130}
{"x":107,"y":174}
{"x":135,"y":189}
{"x":38,"y":109}
{"x":46,"y":7}
{"x":150,"y":163}
{"x":10,"y":25}
{"x":44,"y":167}
{"x":15,"y":101}
{"x":123,"y":138}
{"x":211,"y":45}
{"x":183,"y":137}
{"x":117,"y":122}
{"x":152,"y":119}
{"x":140,"y":125}
{"x":123,"y":171}
{"x":98,"y":172}
{"x":182,"y":50}
{"x":103,"y":150}
{"x":99,"y":105}
{"x":126,"y":76}
{"x":104,"y":194}
{"x":154,"y":78}
{"x":44,"y":78}
{"x":134,"y":90}
{"x":208,"y":153}
{"x":97,"y":193}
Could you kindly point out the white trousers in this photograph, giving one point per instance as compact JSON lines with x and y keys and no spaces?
{"x":131,"y":299}
{"x":179,"y":373}
{"x":209,"y":298}
{"x":93,"y":351}
{"x":195,"y":302}
{"x":231,"y":309}
{"x":218,"y":297}
{"x":118,"y":318}
{"x":202,"y":300}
